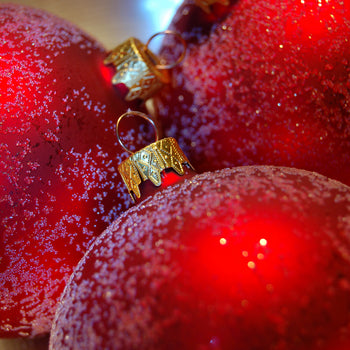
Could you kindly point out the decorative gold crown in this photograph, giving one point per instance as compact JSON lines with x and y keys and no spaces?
{"x":204,"y":4}
{"x":136,"y":67}
{"x":149,"y":162}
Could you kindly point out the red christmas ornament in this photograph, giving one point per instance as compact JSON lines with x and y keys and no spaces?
{"x":264,"y":82}
{"x":58,"y":156}
{"x":245,"y":258}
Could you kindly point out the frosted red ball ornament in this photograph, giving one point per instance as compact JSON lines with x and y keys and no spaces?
{"x":58,"y":157}
{"x":245,"y":258}
{"x":263,"y":82}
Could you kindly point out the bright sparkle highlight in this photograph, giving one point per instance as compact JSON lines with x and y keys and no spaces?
{"x":251,"y":264}
{"x":263,"y":242}
{"x":223,"y":241}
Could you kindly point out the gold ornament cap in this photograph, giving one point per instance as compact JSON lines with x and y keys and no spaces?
{"x":139,"y":69}
{"x":149,"y":162}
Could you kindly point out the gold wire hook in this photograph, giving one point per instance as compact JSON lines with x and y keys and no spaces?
{"x":139,"y":114}
{"x":181,"y":57}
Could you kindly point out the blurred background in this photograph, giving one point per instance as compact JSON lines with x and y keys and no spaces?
{"x":110,"y":22}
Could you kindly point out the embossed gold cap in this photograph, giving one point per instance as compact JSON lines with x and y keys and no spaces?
{"x":149,"y":162}
{"x":139,"y":69}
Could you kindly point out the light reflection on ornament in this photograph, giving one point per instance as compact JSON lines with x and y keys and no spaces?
{"x":251,"y":265}
{"x":106,"y":72}
{"x":263,"y":242}
{"x":315,"y":21}
{"x":223,"y":241}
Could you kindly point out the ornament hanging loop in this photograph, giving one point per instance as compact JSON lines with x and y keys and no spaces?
{"x":133,"y":114}
{"x":168,"y":66}
{"x":150,"y":162}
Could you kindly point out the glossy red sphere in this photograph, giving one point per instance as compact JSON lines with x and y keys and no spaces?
{"x":245,"y":258}
{"x":263,"y":82}
{"x":59,"y":185}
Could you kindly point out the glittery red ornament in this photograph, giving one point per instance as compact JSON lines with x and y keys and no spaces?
{"x":263,"y":82}
{"x":244,"y":258}
{"x":59,"y":186}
